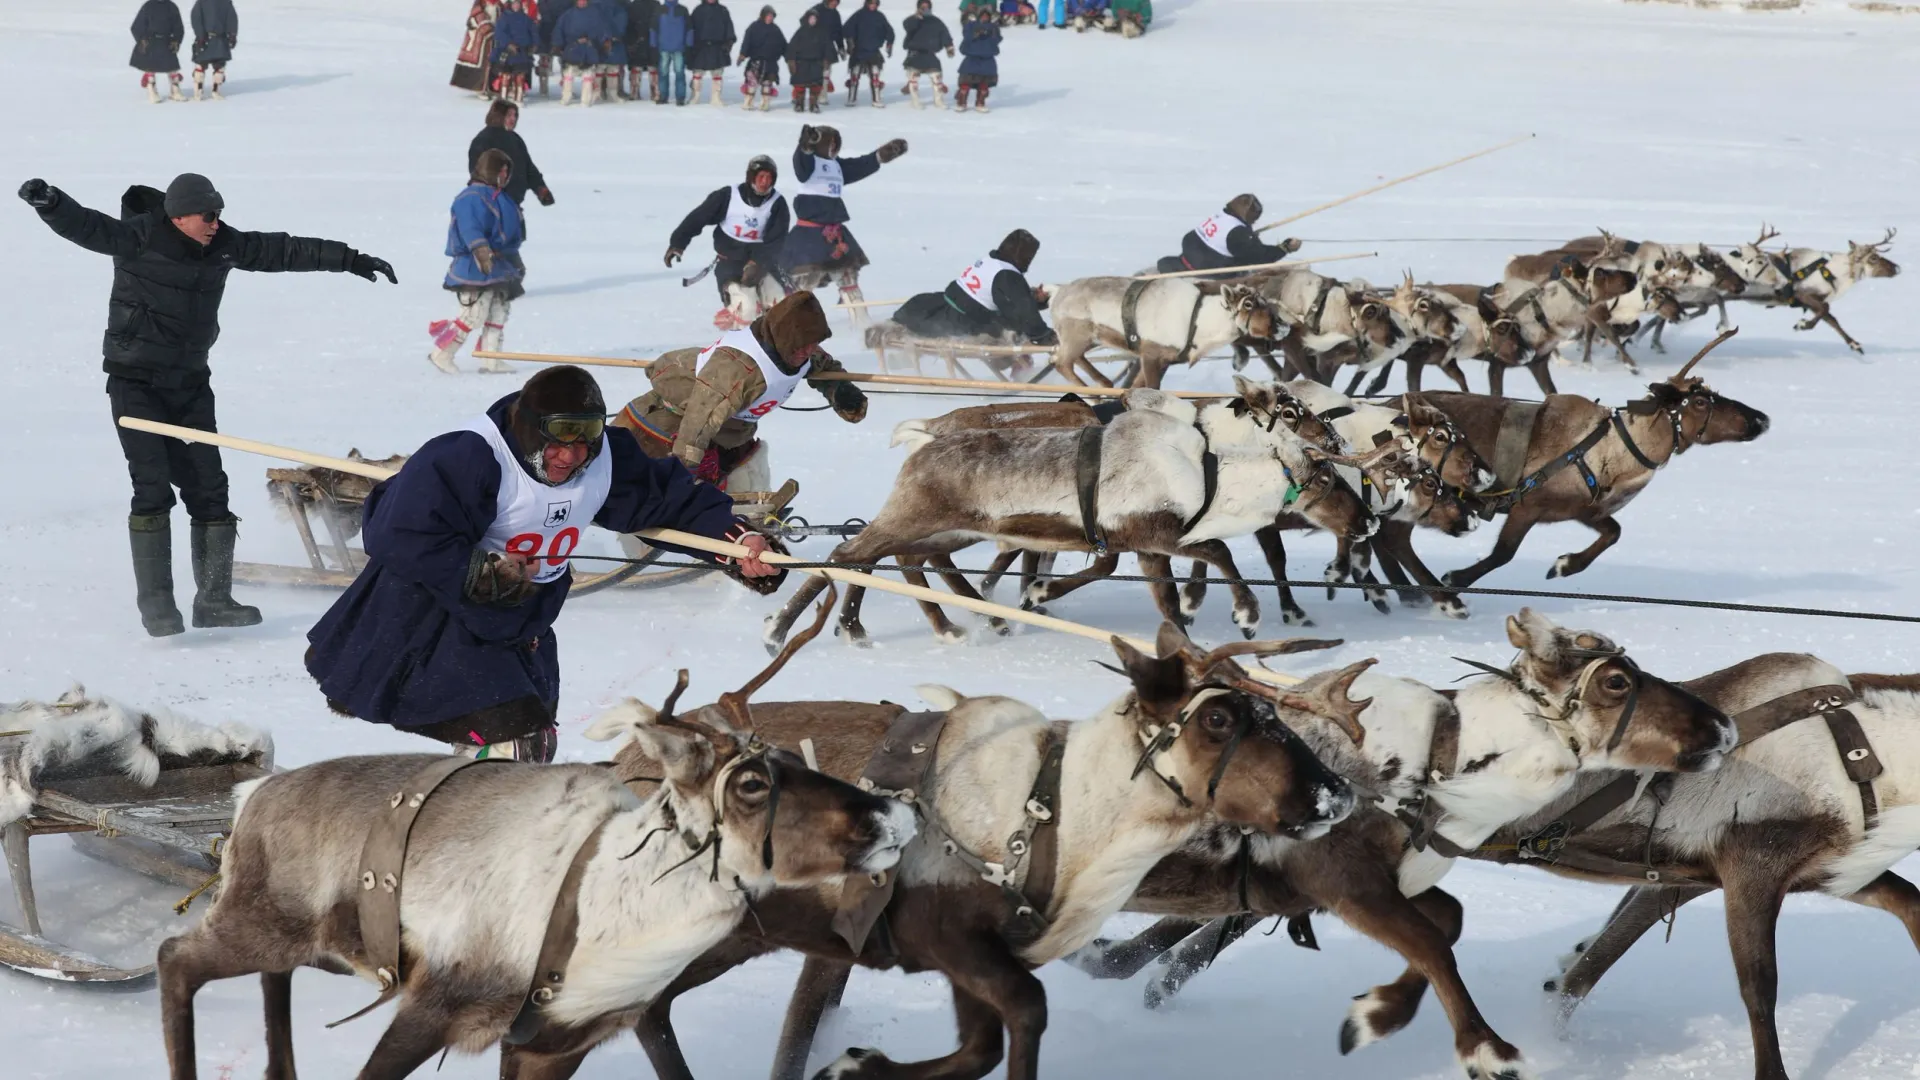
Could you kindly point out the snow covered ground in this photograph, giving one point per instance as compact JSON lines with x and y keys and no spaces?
{"x":1653,"y":121}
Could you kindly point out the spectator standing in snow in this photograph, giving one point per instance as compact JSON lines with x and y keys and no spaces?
{"x":1056,"y":8}
{"x":515,"y":37}
{"x":924,"y":36}
{"x":809,"y":55}
{"x":171,"y":257}
{"x":673,"y":36}
{"x":577,"y":37}
{"x":980,"y":71}
{"x":868,"y":33}
{"x":503,"y":118}
{"x":829,"y":13}
{"x":643,"y":60}
{"x":483,"y":239}
{"x":761,"y":52}
{"x":749,"y":220}
{"x":549,"y":19}
{"x":1227,"y":240}
{"x":156,"y":48}
{"x":613,"y":49}
{"x":216,"y":30}
{"x":712,"y":52}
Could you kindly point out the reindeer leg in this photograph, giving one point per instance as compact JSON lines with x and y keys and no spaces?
{"x":1415,"y":365}
{"x":1659,"y":325}
{"x":517,"y":1064}
{"x":276,"y":992}
{"x":1605,"y":327}
{"x":1196,"y":956}
{"x":1511,"y":534}
{"x":1542,"y":376}
{"x":1721,"y":303}
{"x":943,"y":627}
{"x":1275,"y":549}
{"x":1165,"y":596}
{"x":1640,"y":910}
{"x":1046,"y":592}
{"x":1496,"y":378}
{"x":1388,"y":1008}
{"x":1194,"y":593}
{"x":1279,"y":370}
{"x":419,"y":1030}
{"x":958,"y":582}
{"x":1396,"y":539}
{"x":1569,"y":565}
{"x":1754,"y":895}
{"x":818,"y":990}
{"x":655,"y":1026}
{"x":1826,"y":316}
{"x":1070,"y":354}
{"x":1451,"y":366}
{"x":1353,"y":384}
{"x":1362,"y":572}
{"x":1036,"y":566}
{"x":1246,"y":607}
{"x":1897,"y":897}
{"x":200,"y":956}
{"x":1106,"y":959}
{"x":997,"y":569}
{"x":992,"y":992}
{"x":849,"y":626}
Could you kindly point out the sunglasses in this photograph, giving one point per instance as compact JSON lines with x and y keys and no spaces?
{"x":568,"y":428}
{"x":210,"y":216}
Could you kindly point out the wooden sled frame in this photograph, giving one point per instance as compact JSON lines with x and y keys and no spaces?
{"x":171,"y":831}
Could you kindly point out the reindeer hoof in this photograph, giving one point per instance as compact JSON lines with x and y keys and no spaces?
{"x":1292,"y":617}
{"x":856,"y":636}
{"x":1000,"y":626}
{"x":1562,"y":567}
{"x":1380,"y":605}
{"x":853,"y":1063}
{"x":952,"y":635}
{"x":1495,"y":1061}
{"x":1451,"y":607}
{"x":1855,"y":346}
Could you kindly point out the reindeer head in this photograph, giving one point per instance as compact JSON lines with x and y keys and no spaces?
{"x":1753,"y":263}
{"x":1506,"y":341}
{"x":1435,"y":505}
{"x":1604,"y":283}
{"x":769,"y":818}
{"x":1612,"y":248}
{"x":1374,"y":321}
{"x":1870,"y":260}
{"x":1665,"y":303}
{"x":1323,"y":497}
{"x":1435,"y":440}
{"x":1270,"y":403}
{"x":1700,"y":415}
{"x":1611,"y":713}
{"x":1424,"y":312}
{"x":1251,"y":315}
{"x":1725,"y":281}
{"x":1210,"y":734}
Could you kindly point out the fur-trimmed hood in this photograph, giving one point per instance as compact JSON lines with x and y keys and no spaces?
{"x":79,"y":735}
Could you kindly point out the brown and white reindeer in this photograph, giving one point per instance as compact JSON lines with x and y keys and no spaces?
{"x":1328,"y":324}
{"x":1723,"y":283}
{"x":1811,"y":279}
{"x":479,"y":937}
{"x":1445,"y":330}
{"x":1440,"y":776}
{"x":1192,"y":741}
{"x":1144,"y":490}
{"x":1572,"y":459}
{"x":1165,"y":322}
{"x":1821,"y":795}
{"x":1504,"y":343}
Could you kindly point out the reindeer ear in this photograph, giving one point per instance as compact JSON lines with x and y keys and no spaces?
{"x":1534,"y":634}
{"x":1159,"y":681}
{"x":1517,"y":633}
{"x":1244,"y":386}
{"x":686,"y":757}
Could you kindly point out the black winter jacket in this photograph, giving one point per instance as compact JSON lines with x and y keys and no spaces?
{"x":157,"y":31}
{"x":809,"y":54}
{"x":832,"y":23}
{"x":216,"y":30}
{"x":951,"y":313}
{"x":823,"y":209}
{"x":867,"y":32}
{"x":642,"y":17}
{"x":713,"y":37}
{"x":925,"y":34}
{"x":1246,"y":247}
{"x":526,"y":175}
{"x":163,"y":313}
{"x":712,"y":212}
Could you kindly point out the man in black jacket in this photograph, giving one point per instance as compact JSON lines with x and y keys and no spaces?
{"x":499,"y":134}
{"x":1227,"y":240}
{"x":749,"y":220}
{"x":171,"y":257}
{"x":988,"y":299}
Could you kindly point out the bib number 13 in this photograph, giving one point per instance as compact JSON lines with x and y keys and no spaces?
{"x":562,"y":545}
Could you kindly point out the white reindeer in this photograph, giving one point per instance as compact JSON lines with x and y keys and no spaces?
{"x":1174,"y":320}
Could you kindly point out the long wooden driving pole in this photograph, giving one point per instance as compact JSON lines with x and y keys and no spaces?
{"x":697,"y":543}
{"x":1391,"y":183}
{"x":1282,"y":264}
{"x":1046,"y":389}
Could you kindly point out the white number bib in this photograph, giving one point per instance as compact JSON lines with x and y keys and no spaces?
{"x":534,"y":519}
{"x":745,"y":223}
{"x":780,"y":385}
{"x":977,"y":280}
{"x":826,"y":180}
{"x":1213,"y":231}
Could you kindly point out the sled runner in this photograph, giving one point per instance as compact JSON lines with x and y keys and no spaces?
{"x":90,"y":785}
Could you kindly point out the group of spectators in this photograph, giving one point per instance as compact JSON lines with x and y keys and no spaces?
{"x":1128,"y":18}
{"x":645,"y":50}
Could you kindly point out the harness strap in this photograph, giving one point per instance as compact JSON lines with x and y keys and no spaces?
{"x":383,"y":860}
{"x":1443,"y":759}
{"x":563,"y":933}
{"x":1768,"y":717}
{"x":1086,"y":482}
{"x":1335,"y":413}
{"x":1319,"y":305}
{"x":900,"y":766}
{"x":1516,"y":436}
{"x":1620,"y":428}
{"x":1040,"y":836}
{"x":1193,"y":329}
{"x":1129,"y":314}
{"x":1856,"y":755}
{"x":1209,"y":486}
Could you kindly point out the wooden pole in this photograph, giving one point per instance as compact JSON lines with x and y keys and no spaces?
{"x":1382,"y":187}
{"x":1048,"y":389}
{"x":871,"y":303}
{"x":696,"y":543}
{"x":1255,"y":268}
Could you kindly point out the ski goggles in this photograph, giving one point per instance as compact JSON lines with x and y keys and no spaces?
{"x":572,"y":427}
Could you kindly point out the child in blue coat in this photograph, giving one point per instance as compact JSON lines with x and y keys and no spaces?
{"x":515,"y":39}
{"x":483,"y":238}
{"x":980,"y":70}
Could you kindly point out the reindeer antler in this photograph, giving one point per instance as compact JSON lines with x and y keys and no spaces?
{"x":735,"y":702}
{"x":1681,"y":375}
{"x":1280,"y":647}
{"x":1327,"y":696}
{"x":666,"y":718}
{"x":1886,"y":243}
{"x":1767,"y":232}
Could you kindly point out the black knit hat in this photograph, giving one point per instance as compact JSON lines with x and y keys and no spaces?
{"x":1018,"y":248}
{"x":190,"y":194}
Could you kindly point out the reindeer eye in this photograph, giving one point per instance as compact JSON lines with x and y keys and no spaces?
{"x":1216,"y":721}
{"x":1618,"y":683}
{"x":752,"y":785}
{"x":1290,"y":414}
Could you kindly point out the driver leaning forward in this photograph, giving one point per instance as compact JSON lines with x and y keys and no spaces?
{"x":706,"y":404}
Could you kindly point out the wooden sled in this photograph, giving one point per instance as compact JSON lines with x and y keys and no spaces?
{"x":336,"y":498}
{"x":171,"y":831}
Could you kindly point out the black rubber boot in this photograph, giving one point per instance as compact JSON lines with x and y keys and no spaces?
{"x":152,"y":538}
{"x":213,"y":576}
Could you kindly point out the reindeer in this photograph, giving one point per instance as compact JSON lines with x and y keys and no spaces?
{"x":1212,"y":754}
{"x":1573,"y":703}
{"x":1022,"y":488}
{"x":1619,"y":449}
{"x":1812,"y":280}
{"x":1782,"y":815}
{"x":1503,"y":342}
{"x":484,"y":864}
{"x":1330,"y":324}
{"x":1723,"y":282}
{"x":1163,"y":322}
{"x":1445,"y":328}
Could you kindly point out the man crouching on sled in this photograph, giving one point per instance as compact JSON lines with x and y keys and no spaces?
{"x":706,"y":404}
{"x":448,"y":632}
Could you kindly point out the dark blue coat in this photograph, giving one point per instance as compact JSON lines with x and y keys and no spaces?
{"x":672,"y":32}
{"x":156,"y":37}
{"x":579,"y":33}
{"x":820,"y":209}
{"x":867,"y":32}
{"x":614,"y":49}
{"x":516,"y":31}
{"x":713,"y":37}
{"x":979,"y":44}
{"x":404,"y":646}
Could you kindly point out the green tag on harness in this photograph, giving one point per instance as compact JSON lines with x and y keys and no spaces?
{"x":1293,"y":493}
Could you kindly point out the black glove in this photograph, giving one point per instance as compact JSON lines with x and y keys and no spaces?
{"x":891,"y":150}
{"x":497,"y":580}
{"x":39,"y":194}
{"x":673,"y":256}
{"x":1290,"y":245}
{"x":545,"y":196}
{"x":849,"y":402}
{"x":765,"y":586}
{"x":366,"y":266}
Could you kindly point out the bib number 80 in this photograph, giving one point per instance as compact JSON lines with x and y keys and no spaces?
{"x":527,"y":545}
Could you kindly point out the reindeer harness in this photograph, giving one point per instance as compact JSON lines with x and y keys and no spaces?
{"x":1499,"y":502}
{"x":1086,"y":482}
{"x":1130,"y":322}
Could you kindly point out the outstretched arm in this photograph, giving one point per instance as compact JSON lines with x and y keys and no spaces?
{"x":1018,"y":309}
{"x":711,"y":211}
{"x":90,"y":229}
{"x":280,"y":253}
